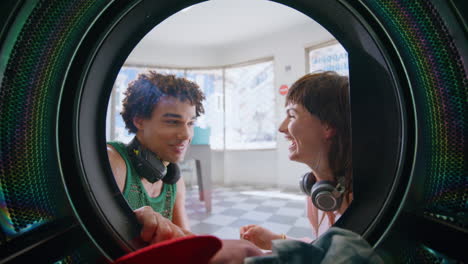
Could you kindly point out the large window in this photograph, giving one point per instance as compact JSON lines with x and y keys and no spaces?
{"x":239,"y":105}
{"x":329,"y":56}
{"x":250,"y":104}
{"x":210,"y":126}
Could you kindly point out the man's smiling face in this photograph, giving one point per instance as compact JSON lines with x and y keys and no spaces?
{"x":169,"y":131}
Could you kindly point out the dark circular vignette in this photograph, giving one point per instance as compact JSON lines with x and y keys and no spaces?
{"x":58,"y":63}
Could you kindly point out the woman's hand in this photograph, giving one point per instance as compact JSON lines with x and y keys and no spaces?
{"x":156,"y":228}
{"x":235,"y":251}
{"x":258,"y":235}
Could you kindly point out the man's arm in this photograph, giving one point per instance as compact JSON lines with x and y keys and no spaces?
{"x":179,"y":216}
{"x":157,"y":228}
{"x":119,"y":169}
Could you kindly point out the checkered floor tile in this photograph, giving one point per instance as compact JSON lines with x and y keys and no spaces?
{"x":233,"y":207}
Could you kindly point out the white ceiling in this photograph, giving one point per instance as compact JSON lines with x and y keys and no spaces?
{"x":220,"y":22}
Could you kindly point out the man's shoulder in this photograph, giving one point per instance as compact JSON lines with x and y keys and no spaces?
{"x":115,"y":144}
{"x":115,"y":150}
{"x":118,"y":164}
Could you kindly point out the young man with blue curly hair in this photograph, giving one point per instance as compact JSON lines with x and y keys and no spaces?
{"x":161,"y":111}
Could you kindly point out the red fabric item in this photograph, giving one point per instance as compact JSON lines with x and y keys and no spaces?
{"x":191,"y":249}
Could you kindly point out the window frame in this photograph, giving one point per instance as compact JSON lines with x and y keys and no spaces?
{"x":324,"y":44}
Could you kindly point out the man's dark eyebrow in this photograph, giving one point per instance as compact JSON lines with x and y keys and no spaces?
{"x":172,"y":115}
{"x":176,"y":116}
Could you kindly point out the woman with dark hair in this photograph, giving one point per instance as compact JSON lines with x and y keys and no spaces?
{"x":317,"y":124}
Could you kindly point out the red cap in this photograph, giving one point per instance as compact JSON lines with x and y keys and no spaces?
{"x":190,"y":249}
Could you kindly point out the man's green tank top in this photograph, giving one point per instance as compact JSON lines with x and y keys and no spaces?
{"x":135,"y":193}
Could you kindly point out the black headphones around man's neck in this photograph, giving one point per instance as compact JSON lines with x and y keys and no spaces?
{"x":149,"y":166}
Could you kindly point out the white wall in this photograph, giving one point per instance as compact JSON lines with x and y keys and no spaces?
{"x":260,"y":167}
{"x":178,"y":56}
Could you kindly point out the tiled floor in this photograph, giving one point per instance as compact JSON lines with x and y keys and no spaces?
{"x":233,"y":207}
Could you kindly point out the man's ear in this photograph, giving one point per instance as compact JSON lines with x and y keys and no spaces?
{"x":138,"y":122}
